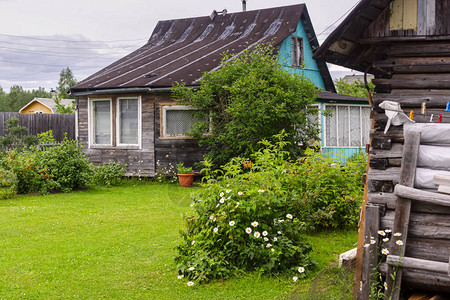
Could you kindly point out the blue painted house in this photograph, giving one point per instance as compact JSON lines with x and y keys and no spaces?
{"x":125,"y":111}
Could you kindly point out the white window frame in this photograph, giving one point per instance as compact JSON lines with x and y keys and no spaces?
{"x":325,"y":144}
{"x":91,"y":135}
{"x":139,"y":143}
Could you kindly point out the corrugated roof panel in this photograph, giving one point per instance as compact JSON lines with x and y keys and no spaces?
{"x":183,"y":49}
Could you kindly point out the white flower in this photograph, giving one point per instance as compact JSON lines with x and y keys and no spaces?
{"x":228,"y":191}
{"x":222,"y":200}
{"x":301,"y":269}
{"x":214,"y":219}
{"x":211,"y":217}
{"x":193,"y":242}
{"x":385,"y":285}
{"x":217,"y":205}
{"x":232,"y":223}
{"x":191,"y":269}
{"x":190,"y":283}
{"x":372,"y":242}
{"x":271,"y":249}
{"x":257,"y":234}
{"x":237,"y":204}
{"x":215,"y":229}
{"x":289,"y":216}
{"x":269,"y":245}
{"x":266,"y":239}
{"x":280,"y":220}
{"x":221,"y":194}
{"x":192,"y":204}
{"x":385,"y":251}
{"x":400,"y":243}
{"x":397,"y":234}
{"x":240,"y":193}
{"x":265,"y":233}
{"x":295,"y":278}
{"x":261,"y":190}
{"x":381,"y":232}
{"x":248,"y":230}
{"x":254,"y":224}
{"x":279,"y":232}
{"x":388,"y":231}
{"x":275,"y":239}
{"x":180,"y":276}
{"x":385,"y":240}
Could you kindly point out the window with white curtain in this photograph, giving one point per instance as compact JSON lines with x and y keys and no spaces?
{"x":101,"y":121}
{"x":297,"y":51}
{"x":347,"y":126}
{"x":128,"y":121}
{"x":177,"y":120}
{"x":115,"y":121}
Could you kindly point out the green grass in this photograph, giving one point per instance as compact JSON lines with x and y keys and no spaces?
{"x":119,"y":243}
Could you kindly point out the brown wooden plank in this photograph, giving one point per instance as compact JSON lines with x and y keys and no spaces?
{"x":403,"y":207}
{"x":422,"y":196}
{"x":419,"y":264}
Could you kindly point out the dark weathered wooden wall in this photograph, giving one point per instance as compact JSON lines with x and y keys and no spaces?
{"x":414,"y":73}
{"x":38,"y":123}
{"x":154,"y":151}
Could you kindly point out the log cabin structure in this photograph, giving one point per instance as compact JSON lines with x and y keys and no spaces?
{"x":126,"y":113}
{"x":405,"y":44}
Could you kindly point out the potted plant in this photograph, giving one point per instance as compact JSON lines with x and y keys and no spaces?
{"x":185,"y":175}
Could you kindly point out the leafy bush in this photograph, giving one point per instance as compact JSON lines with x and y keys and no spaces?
{"x":46,"y":137}
{"x":67,"y":165}
{"x":15,"y":138}
{"x":245,"y":220}
{"x":327,"y":193}
{"x":31,"y":176}
{"x":8,"y":184}
{"x":253,"y":215}
{"x":108,"y":174}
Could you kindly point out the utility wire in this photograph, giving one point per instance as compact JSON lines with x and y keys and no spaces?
{"x":72,"y":41}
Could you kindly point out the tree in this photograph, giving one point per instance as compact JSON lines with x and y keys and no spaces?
{"x":250,"y":98}
{"x":355,"y":89}
{"x":61,"y":108}
{"x":66,"y":81}
{"x":18,"y":98}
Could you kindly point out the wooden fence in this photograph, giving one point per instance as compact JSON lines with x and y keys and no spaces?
{"x":38,"y":123}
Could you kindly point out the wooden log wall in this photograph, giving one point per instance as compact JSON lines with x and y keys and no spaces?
{"x":412,"y":73}
{"x":154,"y":150}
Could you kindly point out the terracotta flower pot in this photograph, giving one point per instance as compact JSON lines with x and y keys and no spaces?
{"x":186,"y":180}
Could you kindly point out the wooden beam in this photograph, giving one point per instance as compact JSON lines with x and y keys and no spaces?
{"x":403,"y":209}
{"x":420,"y":264}
{"x":422,"y":196}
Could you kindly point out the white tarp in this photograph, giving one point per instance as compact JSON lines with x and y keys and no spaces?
{"x":434,"y":157}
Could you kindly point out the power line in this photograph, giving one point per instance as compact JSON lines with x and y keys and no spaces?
{"x":52,"y":53}
{"x":72,"y":41}
{"x":66,"y":46}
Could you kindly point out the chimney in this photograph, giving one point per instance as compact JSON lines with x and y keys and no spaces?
{"x":244,"y":5}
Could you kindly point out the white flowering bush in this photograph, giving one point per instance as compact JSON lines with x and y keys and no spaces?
{"x":244,"y":219}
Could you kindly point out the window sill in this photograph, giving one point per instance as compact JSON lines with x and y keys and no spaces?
{"x":118,"y":147}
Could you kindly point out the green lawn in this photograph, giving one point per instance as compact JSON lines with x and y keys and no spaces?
{"x":119,"y":243}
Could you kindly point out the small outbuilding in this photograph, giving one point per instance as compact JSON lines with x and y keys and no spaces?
{"x":43,"y":106}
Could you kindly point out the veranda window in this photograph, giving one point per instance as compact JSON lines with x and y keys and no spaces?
{"x":347,"y":127}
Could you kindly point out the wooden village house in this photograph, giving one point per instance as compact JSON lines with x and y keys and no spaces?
{"x":43,"y":106}
{"x":125,"y":111}
{"x":405,"y":44}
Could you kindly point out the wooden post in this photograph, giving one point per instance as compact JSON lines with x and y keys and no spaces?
{"x":402,"y":212}
{"x":371,"y":227}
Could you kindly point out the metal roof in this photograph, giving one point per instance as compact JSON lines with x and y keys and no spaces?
{"x":333,"y":97}
{"x":183,"y":49}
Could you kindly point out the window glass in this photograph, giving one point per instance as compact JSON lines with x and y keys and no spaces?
{"x":178,"y":121}
{"x":128,"y":121}
{"x":102,"y":121}
{"x":366,"y":123}
{"x":296,"y":51}
{"x":343,"y":126}
{"x":355,"y":126}
{"x":331,"y":126}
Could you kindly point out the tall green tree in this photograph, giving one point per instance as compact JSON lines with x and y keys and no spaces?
{"x":355,"y":89}
{"x":250,"y":98}
{"x":66,"y":81}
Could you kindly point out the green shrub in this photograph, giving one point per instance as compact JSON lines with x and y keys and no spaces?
{"x":67,"y":165}
{"x":31,"y":176}
{"x":108,"y":174}
{"x":46,"y":137}
{"x":245,"y":220}
{"x":8,"y":184}
{"x":327,"y":193}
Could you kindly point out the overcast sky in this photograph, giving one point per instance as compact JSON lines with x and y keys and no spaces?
{"x":38,"y":38}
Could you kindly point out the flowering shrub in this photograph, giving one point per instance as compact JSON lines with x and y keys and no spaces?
{"x":246,"y":220}
{"x":8,"y":184}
